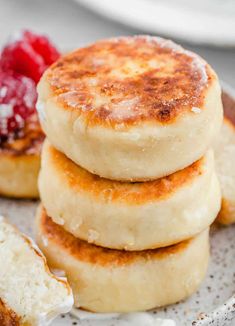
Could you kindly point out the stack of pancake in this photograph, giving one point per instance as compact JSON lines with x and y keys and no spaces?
{"x":128,"y":182}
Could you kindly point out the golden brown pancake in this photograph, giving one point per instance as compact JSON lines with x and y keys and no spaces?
{"x":125,"y":215}
{"x":106,"y":280}
{"x":93,"y":254}
{"x":131,"y":108}
{"x":20,"y":161}
{"x":7,"y":316}
{"x":154,"y":79}
{"x":225,"y":160}
{"x":27,"y":141}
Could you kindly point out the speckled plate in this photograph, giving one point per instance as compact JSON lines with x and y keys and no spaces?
{"x":213,"y":304}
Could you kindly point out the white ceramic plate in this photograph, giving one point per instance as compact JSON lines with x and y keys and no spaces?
{"x":202,"y":21}
{"x":215,"y":291}
{"x":213,"y":304}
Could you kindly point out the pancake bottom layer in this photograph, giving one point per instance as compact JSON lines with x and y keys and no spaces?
{"x":105,"y":280}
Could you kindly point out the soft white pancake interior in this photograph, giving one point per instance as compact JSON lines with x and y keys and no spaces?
{"x":26,"y":285}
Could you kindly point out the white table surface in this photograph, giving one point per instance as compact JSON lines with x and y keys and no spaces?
{"x":72,"y":26}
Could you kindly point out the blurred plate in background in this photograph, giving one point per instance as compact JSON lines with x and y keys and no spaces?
{"x":209,"y":22}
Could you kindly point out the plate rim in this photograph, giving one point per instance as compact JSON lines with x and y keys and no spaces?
{"x":113,"y":11}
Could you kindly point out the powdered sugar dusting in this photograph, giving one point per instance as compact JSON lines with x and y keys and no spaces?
{"x":98,"y":61}
{"x":41,"y":110}
{"x":164,"y":43}
{"x":59,"y":221}
{"x":124,"y":109}
{"x":45,"y":241}
{"x":77,"y":225}
{"x":58,"y":273}
{"x":92,"y":235}
{"x":29,"y":100}
{"x":131,"y":79}
{"x":196,"y":110}
{"x":3,"y":91}
{"x":198,"y":63}
{"x":75,"y":99}
{"x":92,"y":82}
{"x":15,"y":37}
{"x":6,"y":111}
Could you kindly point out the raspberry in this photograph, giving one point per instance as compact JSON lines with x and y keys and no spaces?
{"x":21,"y":58}
{"x":29,"y":54}
{"x":17,"y":102}
{"x":42,"y":46}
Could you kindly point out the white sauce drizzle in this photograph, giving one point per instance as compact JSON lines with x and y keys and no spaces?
{"x":131,"y":319}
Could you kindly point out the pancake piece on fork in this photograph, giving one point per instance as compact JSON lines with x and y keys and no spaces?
{"x":131,"y":108}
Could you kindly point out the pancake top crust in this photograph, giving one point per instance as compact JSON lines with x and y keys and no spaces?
{"x":130,"y":80}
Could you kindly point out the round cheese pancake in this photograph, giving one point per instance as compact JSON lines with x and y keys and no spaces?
{"x":106,"y":280}
{"x":131,"y":108}
{"x":224,"y":148}
{"x":20,"y":161}
{"x":124,"y":215}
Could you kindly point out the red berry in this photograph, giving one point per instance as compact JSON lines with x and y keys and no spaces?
{"x":17,"y":101}
{"x":29,"y":54}
{"x":42,"y":46}
{"x":21,"y":58}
